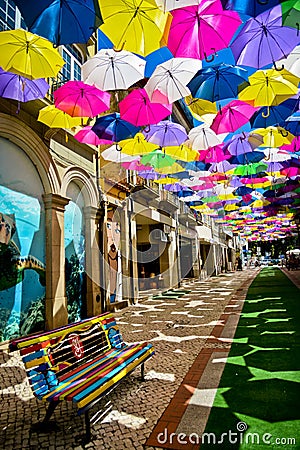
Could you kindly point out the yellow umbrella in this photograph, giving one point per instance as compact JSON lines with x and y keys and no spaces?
{"x":137,"y":145}
{"x":175,"y":168}
{"x":135,"y":25}
{"x":274,"y":136}
{"x":55,"y":118}
{"x":270,"y":87}
{"x":29,"y":55}
{"x":182,"y":152}
{"x":202,"y":110}
{"x":167,"y":180}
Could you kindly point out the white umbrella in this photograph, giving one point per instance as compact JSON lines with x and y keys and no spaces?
{"x":110,"y":70}
{"x":276,"y":155}
{"x":292,"y":62}
{"x":202,"y":137}
{"x":113,"y":154}
{"x":169,"y":5}
{"x":169,"y":80}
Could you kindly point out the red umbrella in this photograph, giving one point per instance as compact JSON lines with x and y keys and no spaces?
{"x":232,"y":116}
{"x":81,"y":100}
{"x":137,"y":109}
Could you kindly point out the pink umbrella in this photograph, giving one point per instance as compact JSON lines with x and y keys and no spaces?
{"x":201,"y":30}
{"x":136,"y":165}
{"x":232,"y":116}
{"x":294,"y":146}
{"x":81,"y":100}
{"x":87,"y":136}
{"x":214,"y":154}
{"x":137,"y":109}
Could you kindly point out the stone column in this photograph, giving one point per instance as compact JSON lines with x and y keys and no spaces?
{"x":56,"y":300}
{"x":92,"y":260}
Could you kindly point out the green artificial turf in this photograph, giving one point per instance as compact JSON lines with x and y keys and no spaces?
{"x":260,"y":385}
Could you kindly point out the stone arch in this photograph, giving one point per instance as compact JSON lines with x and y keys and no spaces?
{"x":24,"y":137}
{"x":85,"y":182}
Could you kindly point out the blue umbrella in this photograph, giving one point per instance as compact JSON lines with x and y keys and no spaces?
{"x":196,"y":166}
{"x":217,"y":82}
{"x":246,"y":158}
{"x":61,"y":21}
{"x":249,"y":7}
{"x":112,"y":128}
{"x":274,"y":115}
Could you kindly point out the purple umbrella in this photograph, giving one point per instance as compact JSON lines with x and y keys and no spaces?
{"x":166,"y":134}
{"x":263,"y":40}
{"x":20,"y":88}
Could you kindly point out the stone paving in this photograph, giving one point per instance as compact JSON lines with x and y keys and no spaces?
{"x":179,"y":328}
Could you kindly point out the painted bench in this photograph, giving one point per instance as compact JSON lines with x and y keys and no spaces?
{"x":80,"y":362}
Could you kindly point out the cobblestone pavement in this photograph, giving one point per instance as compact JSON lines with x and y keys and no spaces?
{"x":177,"y":327}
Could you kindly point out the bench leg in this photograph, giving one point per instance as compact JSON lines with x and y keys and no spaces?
{"x":50,"y":411}
{"x":87,"y":438}
{"x":47,"y":426}
{"x":142,"y":372}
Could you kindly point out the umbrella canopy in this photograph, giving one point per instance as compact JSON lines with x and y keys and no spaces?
{"x":292,"y":62}
{"x":202,"y":110}
{"x":20,"y":88}
{"x":137,"y":109}
{"x":28,"y":55}
{"x":274,"y":115}
{"x":169,"y":5}
{"x":274,"y":136}
{"x":201,"y":30}
{"x":240,"y":144}
{"x":113,"y":128}
{"x":137,"y":26}
{"x":157,"y":159}
{"x":166,"y":133}
{"x":170,"y":79}
{"x":217,"y":82}
{"x":250,"y":169}
{"x":263,"y":40}
{"x":87,"y":136}
{"x":214,"y":154}
{"x":56,"y":118}
{"x":249,"y":7}
{"x":137,"y":145}
{"x":182,"y":152}
{"x":232,"y":116}
{"x":114,"y":154}
{"x":81,"y":100}
{"x":270,"y":87}
{"x":291,"y":13}
{"x":202,"y":137}
{"x":62,"y":22}
{"x":111,"y":70}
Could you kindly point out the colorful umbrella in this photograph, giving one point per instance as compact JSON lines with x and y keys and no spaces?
{"x":291,"y":13}
{"x":134,"y":25}
{"x":114,"y":154}
{"x":202,"y":110}
{"x":292,"y":62}
{"x":81,"y":100}
{"x":263,"y":40}
{"x":87,"y":136}
{"x":170,"y":79}
{"x":136,"y":165}
{"x":182,"y":152}
{"x":111,"y":127}
{"x":240,"y":144}
{"x":274,"y":136}
{"x":157,"y":159}
{"x":111,"y":70}
{"x":28,"y":55}
{"x":274,"y":115}
{"x":250,"y":169}
{"x":137,"y":109}
{"x":62,"y":22}
{"x":217,"y":82}
{"x":20,"y":88}
{"x":56,"y":118}
{"x":270,"y":87}
{"x":201,"y":30}
{"x":249,"y":7}
{"x":166,"y":133}
{"x":202,"y":137}
{"x":137,"y":145}
{"x":214,"y":154}
{"x":232,"y":116}
{"x":170,"y":5}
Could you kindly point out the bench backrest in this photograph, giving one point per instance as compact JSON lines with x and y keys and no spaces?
{"x":49,"y":356}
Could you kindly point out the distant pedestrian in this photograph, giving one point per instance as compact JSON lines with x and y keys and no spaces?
{"x":239,"y":263}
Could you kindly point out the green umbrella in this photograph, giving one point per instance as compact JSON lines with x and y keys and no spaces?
{"x":291,"y":13}
{"x":157,"y":159}
{"x":250,"y":169}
